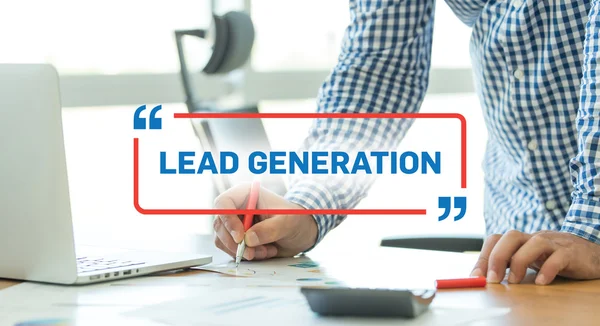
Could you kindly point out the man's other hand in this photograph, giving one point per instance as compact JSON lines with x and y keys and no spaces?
{"x":270,"y":235}
{"x":550,"y":253}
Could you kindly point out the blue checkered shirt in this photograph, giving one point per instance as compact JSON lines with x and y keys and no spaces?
{"x":536,"y":74}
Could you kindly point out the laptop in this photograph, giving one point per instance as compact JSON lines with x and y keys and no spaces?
{"x":36,"y":227}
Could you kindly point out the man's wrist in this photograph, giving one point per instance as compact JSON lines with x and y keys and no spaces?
{"x":583,"y":220}
{"x":313,"y":195}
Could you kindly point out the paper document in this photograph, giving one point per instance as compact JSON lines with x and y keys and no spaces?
{"x":299,"y":271}
{"x":93,"y":305}
{"x":283,"y":307}
{"x":349,"y":271}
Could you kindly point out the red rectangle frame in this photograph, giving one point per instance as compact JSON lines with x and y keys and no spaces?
{"x":207,"y":115}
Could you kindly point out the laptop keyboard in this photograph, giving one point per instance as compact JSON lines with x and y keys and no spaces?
{"x":91,"y":264}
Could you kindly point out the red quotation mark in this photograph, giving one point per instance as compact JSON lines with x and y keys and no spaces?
{"x":154,"y":211}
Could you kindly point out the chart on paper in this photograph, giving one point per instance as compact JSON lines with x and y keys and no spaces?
{"x":292,"y":271}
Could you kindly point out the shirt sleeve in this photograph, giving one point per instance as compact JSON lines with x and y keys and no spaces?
{"x":383,"y":68}
{"x":583,"y":217}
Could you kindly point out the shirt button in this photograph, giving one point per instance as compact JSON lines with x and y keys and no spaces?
{"x":517,"y":3}
{"x":532,"y":145}
{"x":519,"y":74}
{"x":550,"y":205}
{"x":557,"y":212}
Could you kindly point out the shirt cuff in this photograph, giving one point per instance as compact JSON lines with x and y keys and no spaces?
{"x":314,"y":195}
{"x":583,"y":220}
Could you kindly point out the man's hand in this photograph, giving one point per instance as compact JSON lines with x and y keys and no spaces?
{"x":271,"y":235}
{"x":550,"y":253}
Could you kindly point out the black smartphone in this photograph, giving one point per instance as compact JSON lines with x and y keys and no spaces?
{"x":366,"y":302}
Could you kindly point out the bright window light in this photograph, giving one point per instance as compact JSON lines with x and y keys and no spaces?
{"x":290,"y":42}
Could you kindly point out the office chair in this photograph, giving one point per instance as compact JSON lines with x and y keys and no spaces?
{"x":232,"y":37}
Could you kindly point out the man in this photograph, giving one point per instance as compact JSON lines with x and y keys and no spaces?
{"x":537,"y":76}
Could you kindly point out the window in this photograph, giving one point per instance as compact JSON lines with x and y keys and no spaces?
{"x":308,"y":39}
{"x":126,"y":44}
{"x":108,"y":37}
{"x":450,"y":40}
{"x":311,"y":37}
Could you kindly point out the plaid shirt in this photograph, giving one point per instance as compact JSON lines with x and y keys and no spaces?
{"x":536,"y":72}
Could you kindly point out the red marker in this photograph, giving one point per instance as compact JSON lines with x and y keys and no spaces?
{"x":248,"y":219}
{"x":469,"y":282}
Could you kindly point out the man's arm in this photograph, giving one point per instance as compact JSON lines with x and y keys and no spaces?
{"x":583,"y":218}
{"x":573,"y":252}
{"x":383,"y":68}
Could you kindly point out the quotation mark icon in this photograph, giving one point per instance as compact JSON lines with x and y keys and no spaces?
{"x":154,"y":122}
{"x":446,"y":204}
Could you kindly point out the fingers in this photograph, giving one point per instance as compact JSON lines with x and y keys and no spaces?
{"x":229,"y":229}
{"x":221,"y":246}
{"x":267,"y":231}
{"x":270,"y":236}
{"x":231,"y":223}
{"x":234,"y":227}
{"x":481,"y":266}
{"x":557,"y":262}
{"x":235,"y":196}
{"x":537,"y":246}
{"x":260,"y":252}
{"x":256,"y":253}
{"x":249,"y":253}
{"x":502,"y":253}
{"x":224,"y":237}
{"x":553,"y":253}
{"x":265,"y":252}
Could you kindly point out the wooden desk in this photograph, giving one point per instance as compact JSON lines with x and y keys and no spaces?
{"x":6,"y":283}
{"x":563,"y":302}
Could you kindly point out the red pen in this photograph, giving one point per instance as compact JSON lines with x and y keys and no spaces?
{"x":248,"y":218}
{"x":469,"y":282}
